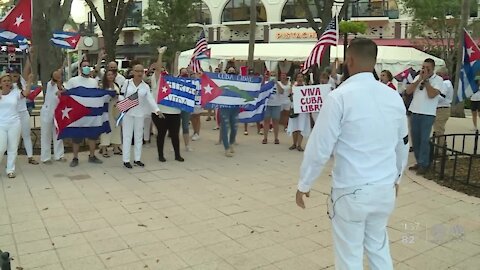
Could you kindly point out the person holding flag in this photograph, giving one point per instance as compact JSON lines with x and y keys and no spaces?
{"x":169,"y":118}
{"x":113,"y":138}
{"x":84,"y":80}
{"x":10,"y":124}
{"x":47,"y":116}
{"x":134,"y":119}
{"x":19,"y":85}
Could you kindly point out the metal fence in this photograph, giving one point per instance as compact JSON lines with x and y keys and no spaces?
{"x":456,"y":159}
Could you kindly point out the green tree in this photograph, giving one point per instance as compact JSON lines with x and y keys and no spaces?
{"x":166,"y":24}
{"x":436,"y":23}
{"x":5,"y":5}
{"x":114,"y":16}
{"x":48,"y":16}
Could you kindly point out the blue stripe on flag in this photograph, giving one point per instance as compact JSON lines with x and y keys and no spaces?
{"x":185,"y":91}
{"x":98,"y":111}
{"x":85,"y":132}
{"x":87,"y":92}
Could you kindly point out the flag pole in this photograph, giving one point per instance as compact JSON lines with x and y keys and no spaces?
{"x":338,"y":30}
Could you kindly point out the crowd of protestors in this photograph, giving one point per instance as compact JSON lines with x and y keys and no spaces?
{"x":430,"y":96}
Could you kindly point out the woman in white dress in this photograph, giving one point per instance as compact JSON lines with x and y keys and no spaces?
{"x":18,"y":83}
{"x":113,"y":138}
{"x":10,"y":125}
{"x":298,"y":124}
{"x":47,"y":115}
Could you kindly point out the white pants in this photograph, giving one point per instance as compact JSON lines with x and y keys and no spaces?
{"x":26,"y":132}
{"x":132,"y":127}
{"x":9,"y":139}
{"x":48,"y":132}
{"x":360,"y":217}
{"x":147,"y":128}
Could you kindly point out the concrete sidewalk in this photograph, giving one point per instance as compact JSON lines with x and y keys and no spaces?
{"x":213,"y":212}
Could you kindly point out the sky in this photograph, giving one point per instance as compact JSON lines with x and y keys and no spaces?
{"x":78,"y":11}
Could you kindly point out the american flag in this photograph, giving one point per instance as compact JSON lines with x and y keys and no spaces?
{"x":128,"y":103}
{"x":329,"y":37}
{"x":200,"y":48}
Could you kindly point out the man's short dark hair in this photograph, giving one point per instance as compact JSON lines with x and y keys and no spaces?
{"x":430,"y":60}
{"x":364,"y":48}
{"x":83,"y":61}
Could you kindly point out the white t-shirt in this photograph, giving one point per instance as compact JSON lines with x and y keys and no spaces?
{"x":286,"y":91}
{"x":476,"y":96}
{"x":80,"y":81}
{"x":421,"y":103}
{"x":445,"y":102}
{"x":275,"y":99}
{"x":9,"y":108}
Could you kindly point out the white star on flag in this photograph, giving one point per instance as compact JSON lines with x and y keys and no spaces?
{"x":208,"y":89}
{"x":164,"y":89}
{"x":19,"y":20}
{"x":470,"y":51}
{"x":65,"y":113}
{"x":74,"y":41}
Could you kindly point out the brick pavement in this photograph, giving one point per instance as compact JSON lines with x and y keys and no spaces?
{"x":213,"y":212}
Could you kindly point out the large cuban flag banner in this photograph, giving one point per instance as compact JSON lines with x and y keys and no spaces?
{"x":177,"y":92}
{"x":220,"y":90}
{"x":83,"y":113}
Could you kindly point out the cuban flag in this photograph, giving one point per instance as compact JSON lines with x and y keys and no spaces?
{"x":220,"y":90}
{"x":470,"y":67}
{"x":83,"y":113}
{"x":66,"y":40}
{"x":177,"y":92}
{"x":255,"y":111}
{"x":10,"y":37}
{"x":407,"y":76}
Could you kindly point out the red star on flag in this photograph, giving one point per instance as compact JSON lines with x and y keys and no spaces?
{"x":68,"y":111}
{"x":209,"y":91}
{"x":163,"y":89}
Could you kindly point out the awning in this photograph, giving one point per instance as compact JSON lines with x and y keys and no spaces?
{"x":395,"y":59}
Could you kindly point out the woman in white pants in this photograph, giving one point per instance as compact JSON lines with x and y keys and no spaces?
{"x":47,"y":115}
{"x":134,"y":119}
{"x":10,"y":126}
{"x":113,"y":138}
{"x":18,"y":83}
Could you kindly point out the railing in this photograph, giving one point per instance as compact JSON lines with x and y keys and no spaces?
{"x":456,"y":160}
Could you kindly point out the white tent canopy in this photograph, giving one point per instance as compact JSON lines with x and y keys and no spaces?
{"x":395,"y":59}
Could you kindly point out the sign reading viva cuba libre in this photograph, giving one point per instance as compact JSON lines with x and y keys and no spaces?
{"x":309,"y":98}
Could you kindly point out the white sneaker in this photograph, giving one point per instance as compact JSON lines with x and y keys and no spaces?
{"x":188,"y":148}
{"x":195,"y":137}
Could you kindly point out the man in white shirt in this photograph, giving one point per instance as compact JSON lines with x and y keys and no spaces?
{"x":83,"y":80}
{"x":112,"y":66}
{"x":443,"y":107}
{"x":363,"y":123}
{"x":426,"y":90}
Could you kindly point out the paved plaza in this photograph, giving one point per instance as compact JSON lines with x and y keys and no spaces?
{"x":213,"y":212}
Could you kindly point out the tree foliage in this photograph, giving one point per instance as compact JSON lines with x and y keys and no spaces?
{"x":436,"y":22}
{"x":48,"y":16}
{"x":112,"y":22}
{"x":351,"y":27}
{"x":166,"y":24}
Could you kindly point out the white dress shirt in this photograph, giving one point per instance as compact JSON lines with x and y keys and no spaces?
{"x":363,"y":122}
{"x":421,"y":102}
{"x":445,"y":102}
{"x":146,"y":102}
{"x":51,"y":99}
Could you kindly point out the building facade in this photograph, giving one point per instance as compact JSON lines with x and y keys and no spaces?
{"x":227,"y":21}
